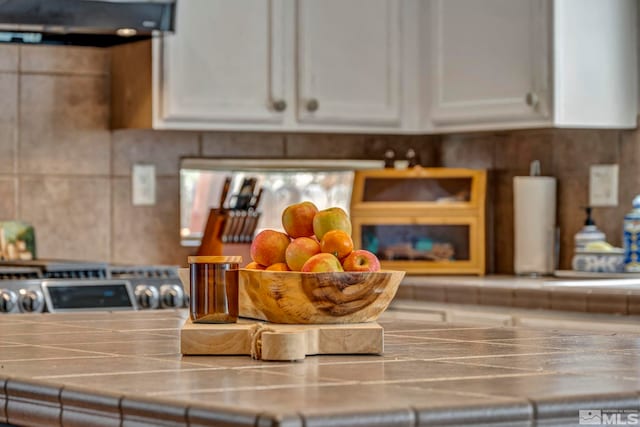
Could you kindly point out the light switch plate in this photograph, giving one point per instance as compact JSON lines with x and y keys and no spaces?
{"x":143,"y":183}
{"x":603,"y":185}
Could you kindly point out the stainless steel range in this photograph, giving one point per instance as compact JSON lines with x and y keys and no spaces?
{"x":57,"y":286}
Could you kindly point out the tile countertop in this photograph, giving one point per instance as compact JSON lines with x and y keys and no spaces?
{"x":124,"y":368}
{"x":610,"y":296}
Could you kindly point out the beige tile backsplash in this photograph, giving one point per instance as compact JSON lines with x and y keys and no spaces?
{"x":71,"y":215}
{"x":7,"y":197}
{"x":9,"y":58}
{"x":163,"y":149}
{"x":63,"y":126}
{"x":63,"y":170}
{"x":147,"y":234}
{"x":65,"y":60}
{"x":8,"y":120}
{"x":223,"y":144}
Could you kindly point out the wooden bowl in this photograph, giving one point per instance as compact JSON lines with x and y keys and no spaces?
{"x":309,"y":298}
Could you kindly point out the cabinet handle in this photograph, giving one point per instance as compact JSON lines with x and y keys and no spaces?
{"x":531,"y":99}
{"x":280,"y":105}
{"x":312,"y":105}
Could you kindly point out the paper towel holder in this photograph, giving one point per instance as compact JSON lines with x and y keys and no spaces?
{"x":534,"y":168}
{"x":535,"y":254}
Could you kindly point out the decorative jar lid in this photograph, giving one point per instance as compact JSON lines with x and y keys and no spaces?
{"x":214,"y":259}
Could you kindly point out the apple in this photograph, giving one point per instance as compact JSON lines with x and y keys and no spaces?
{"x":297,"y":219}
{"x":331,"y":219}
{"x":278,"y":266}
{"x":269,"y":246}
{"x":322,"y":262}
{"x":299,"y":251}
{"x":254,"y":266}
{"x":361,"y":260}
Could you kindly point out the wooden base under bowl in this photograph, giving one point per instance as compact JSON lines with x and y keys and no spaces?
{"x":279,"y":342}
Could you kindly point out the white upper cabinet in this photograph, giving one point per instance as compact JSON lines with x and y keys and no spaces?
{"x":348,"y":62}
{"x":223,"y":66}
{"x":502,"y":64}
{"x":280,"y":65}
{"x":596,"y":63}
{"x":387,"y":66}
{"x":487,"y":61}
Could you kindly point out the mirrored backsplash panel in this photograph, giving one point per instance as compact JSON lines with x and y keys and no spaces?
{"x":326,"y":183}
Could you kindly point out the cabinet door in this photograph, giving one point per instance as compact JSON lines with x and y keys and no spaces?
{"x":349,"y":62}
{"x":224,"y":64}
{"x":488,"y":61}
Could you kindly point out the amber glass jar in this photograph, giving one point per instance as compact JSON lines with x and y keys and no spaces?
{"x":214,"y":288}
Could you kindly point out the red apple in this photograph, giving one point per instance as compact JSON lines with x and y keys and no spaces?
{"x":322,"y":262}
{"x":361,"y":260}
{"x":331,"y":219}
{"x":269,"y":246}
{"x":299,"y":251}
{"x":297,"y":219}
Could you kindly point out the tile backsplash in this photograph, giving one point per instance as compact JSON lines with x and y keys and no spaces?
{"x":64,"y":171}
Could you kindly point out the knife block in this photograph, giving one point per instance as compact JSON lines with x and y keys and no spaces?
{"x":211,"y":243}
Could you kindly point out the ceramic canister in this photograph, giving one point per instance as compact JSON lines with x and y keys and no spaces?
{"x":631,"y":238}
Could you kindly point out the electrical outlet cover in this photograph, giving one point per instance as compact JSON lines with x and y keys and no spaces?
{"x":603,"y":185}
{"x":143,"y":182}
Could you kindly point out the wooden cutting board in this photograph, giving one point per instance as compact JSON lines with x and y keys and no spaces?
{"x":269,"y":341}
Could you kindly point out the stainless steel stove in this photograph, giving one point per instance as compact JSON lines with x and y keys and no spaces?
{"x":58,"y":285}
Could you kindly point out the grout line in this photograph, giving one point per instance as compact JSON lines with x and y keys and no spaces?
{"x":111,"y":194}
{"x":133,"y":372}
{"x":16,"y":140}
{"x":440,"y":379}
{"x":256,"y":388}
{"x":38,"y":359}
{"x":62,"y":73}
{"x":285,"y":144}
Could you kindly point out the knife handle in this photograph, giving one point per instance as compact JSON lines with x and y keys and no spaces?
{"x":256,"y":199}
{"x":225,"y":191}
{"x":224,"y":234}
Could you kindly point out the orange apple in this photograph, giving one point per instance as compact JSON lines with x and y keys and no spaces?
{"x":269,"y":246}
{"x":297,"y":219}
{"x":331,"y":219}
{"x":361,"y":260}
{"x":299,"y":251}
{"x":322,"y":262}
{"x":278,"y":266}
{"x":336,"y":242}
{"x":254,"y":266}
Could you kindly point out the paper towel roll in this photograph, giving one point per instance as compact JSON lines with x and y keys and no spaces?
{"x":534,"y":200}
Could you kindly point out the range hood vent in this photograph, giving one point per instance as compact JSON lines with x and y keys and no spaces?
{"x":84,"y":22}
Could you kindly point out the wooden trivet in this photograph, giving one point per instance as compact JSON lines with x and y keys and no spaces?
{"x":270,"y":341}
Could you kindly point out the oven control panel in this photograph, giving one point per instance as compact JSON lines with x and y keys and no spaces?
{"x":153,"y":286}
{"x":21,"y":296}
{"x":86,"y":295}
{"x":119,"y":288}
{"x":37,"y":296}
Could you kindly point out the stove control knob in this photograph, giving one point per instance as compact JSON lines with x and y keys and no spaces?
{"x":171,"y":296}
{"x":147,"y":296}
{"x":31,"y":301}
{"x":8,"y":300}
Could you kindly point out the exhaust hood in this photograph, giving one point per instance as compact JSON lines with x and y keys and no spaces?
{"x":84,"y":22}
